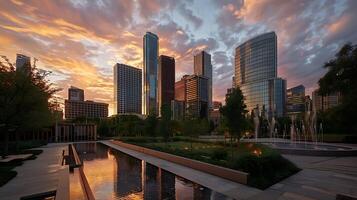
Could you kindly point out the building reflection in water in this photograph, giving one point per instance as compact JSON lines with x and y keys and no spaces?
{"x":114,"y":175}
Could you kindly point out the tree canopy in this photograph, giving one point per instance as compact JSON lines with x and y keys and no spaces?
{"x":234,"y":113}
{"x":341,"y":77}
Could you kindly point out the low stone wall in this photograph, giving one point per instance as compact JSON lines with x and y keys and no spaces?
{"x":233,"y":175}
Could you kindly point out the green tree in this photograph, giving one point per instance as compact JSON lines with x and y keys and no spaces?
{"x":165,"y":122}
{"x":151,"y":125}
{"x":24,"y":100}
{"x":341,"y":77}
{"x":234,"y":114}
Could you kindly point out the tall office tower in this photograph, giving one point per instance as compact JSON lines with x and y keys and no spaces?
{"x":75,"y":94}
{"x":295,"y":104}
{"x":76,"y":107}
{"x":203,"y":67}
{"x":256,"y":74}
{"x":151,"y":52}
{"x":127,"y":89}
{"x":166,"y":81}
{"x":322,"y":103}
{"x":23,"y":62}
{"x":197,"y":96}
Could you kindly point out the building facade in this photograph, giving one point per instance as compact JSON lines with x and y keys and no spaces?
{"x":197,"y":96}
{"x":86,"y":109}
{"x":322,"y":103}
{"x":23,"y":62}
{"x":295,"y":103}
{"x":166,"y":81}
{"x":256,"y":74}
{"x":203,"y":67}
{"x":75,"y":94}
{"x":151,"y":51}
{"x":127,"y":89}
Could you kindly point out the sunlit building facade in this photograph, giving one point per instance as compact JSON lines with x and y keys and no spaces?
{"x":151,"y":51}
{"x":203,"y":67}
{"x":127,"y":89}
{"x":256,"y":75}
{"x":323,"y":103}
{"x":197,"y":96}
{"x":295,"y":104}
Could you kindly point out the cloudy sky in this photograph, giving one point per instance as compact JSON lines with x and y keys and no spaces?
{"x":80,"y":41}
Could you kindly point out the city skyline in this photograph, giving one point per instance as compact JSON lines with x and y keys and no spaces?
{"x":81,"y":49}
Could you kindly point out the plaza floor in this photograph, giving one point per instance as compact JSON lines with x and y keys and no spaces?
{"x":37,"y":176}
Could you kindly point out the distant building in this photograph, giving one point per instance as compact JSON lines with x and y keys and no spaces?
{"x":151,"y":51}
{"x":322,"y":103}
{"x":203,"y":67}
{"x":180,"y":89}
{"x":23,"y":62}
{"x":85,"y":109}
{"x":166,"y":81}
{"x":177,"y":110}
{"x":295,"y":103}
{"x":256,"y":74}
{"x":217,"y":105}
{"x":215,"y":117}
{"x":127,"y":89}
{"x":75,"y":94}
{"x":197,"y":96}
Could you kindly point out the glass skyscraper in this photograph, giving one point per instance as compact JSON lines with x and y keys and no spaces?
{"x":203,"y":67}
{"x":256,"y":74}
{"x":151,"y":53}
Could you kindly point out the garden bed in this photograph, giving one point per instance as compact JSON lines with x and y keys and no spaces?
{"x":264,"y":165}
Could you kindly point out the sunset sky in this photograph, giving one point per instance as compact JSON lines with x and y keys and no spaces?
{"x":80,"y":41}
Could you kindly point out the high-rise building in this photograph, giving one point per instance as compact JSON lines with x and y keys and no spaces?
{"x":203,"y":67}
{"x":127,"y":89}
{"x":197,"y":96}
{"x":256,"y":74}
{"x":151,"y":53}
{"x":166,"y":81}
{"x":23,"y":62}
{"x":77,"y":107}
{"x":180,"y":89}
{"x":75,"y":94}
{"x":322,"y":103}
{"x":295,"y":103}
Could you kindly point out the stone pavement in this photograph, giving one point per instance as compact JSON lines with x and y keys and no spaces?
{"x":36,"y":176}
{"x":322,"y":178}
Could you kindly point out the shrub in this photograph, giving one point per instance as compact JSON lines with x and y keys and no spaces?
{"x":265,"y":170}
{"x":219,"y":154}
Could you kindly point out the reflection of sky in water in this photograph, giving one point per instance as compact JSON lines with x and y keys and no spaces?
{"x":115,"y":175}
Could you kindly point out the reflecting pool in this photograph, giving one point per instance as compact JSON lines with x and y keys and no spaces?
{"x":114,"y":175}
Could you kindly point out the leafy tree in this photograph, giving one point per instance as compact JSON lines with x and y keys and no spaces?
{"x":341,"y":77}
{"x":165,"y":122}
{"x":151,"y":125}
{"x":234,"y":115}
{"x":24,"y":100}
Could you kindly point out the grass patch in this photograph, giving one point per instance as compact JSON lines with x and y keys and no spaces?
{"x":265,"y":165}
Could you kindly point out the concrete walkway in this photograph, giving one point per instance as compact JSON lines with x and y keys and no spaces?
{"x":36,"y":176}
{"x":322,"y":178}
{"x":226,"y":187}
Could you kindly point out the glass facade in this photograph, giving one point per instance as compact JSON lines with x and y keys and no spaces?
{"x":256,"y":74}
{"x":151,"y":52}
{"x":295,"y":100}
{"x":203,"y":67}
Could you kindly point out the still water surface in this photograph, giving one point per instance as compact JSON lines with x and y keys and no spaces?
{"x":114,"y":175}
